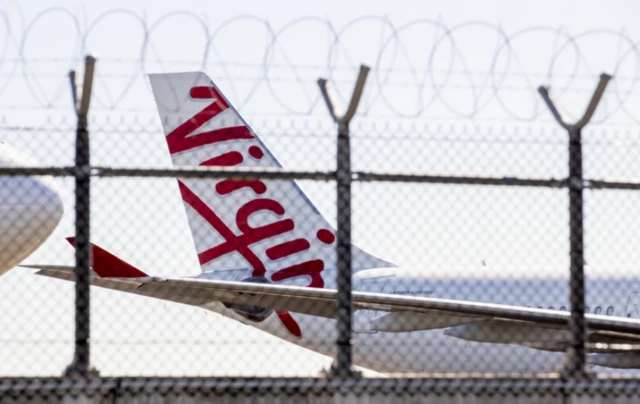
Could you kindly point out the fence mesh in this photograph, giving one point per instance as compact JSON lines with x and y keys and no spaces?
{"x":459,"y":188}
{"x":466,"y":241}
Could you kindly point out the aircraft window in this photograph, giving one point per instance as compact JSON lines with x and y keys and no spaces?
{"x":563,"y":308}
{"x":598,"y":310}
{"x":609,"y":310}
{"x":551,"y":308}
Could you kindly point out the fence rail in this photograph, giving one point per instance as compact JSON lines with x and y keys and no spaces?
{"x":289,"y":174}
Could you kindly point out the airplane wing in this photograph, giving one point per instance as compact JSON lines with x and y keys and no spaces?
{"x":611,"y":338}
{"x":473,"y":321}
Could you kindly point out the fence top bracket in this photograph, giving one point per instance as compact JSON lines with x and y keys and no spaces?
{"x":327,"y":94}
{"x":591,"y":108}
{"x":81,"y":96}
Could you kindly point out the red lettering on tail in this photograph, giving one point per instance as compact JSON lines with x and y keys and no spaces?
{"x":254,"y":234}
{"x":250,"y":235}
{"x":184,"y":138}
{"x":287,"y":248}
{"x":232,"y":158}
{"x":289,"y":323}
{"x":208,"y":93}
{"x":181,"y":138}
{"x":312,"y":269}
{"x":227,"y":186}
{"x":231,"y":243}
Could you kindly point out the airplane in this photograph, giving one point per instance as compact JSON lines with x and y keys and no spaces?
{"x":30,"y":207}
{"x":268,"y":260}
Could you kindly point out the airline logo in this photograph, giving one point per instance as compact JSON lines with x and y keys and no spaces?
{"x":266,"y":225}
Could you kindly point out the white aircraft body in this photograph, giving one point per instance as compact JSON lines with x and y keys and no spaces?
{"x":30,"y":208}
{"x":268,"y":260}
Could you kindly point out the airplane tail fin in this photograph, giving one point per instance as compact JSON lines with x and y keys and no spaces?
{"x":267,"y":228}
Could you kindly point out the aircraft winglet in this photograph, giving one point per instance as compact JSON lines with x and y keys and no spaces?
{"x":107,"y":265}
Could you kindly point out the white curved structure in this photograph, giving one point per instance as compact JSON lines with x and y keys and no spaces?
{"x":30,"y":209}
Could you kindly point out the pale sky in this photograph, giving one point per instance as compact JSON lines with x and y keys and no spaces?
{"x":447,"y":94}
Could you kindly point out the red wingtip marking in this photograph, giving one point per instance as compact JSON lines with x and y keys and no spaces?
{"x":289,"y":323}
{"x":107,"y":265}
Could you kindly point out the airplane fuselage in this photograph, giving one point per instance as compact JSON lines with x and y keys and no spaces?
{"x":434,"y":350}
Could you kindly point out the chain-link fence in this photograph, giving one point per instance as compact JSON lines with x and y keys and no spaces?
{"x":238,"y":252}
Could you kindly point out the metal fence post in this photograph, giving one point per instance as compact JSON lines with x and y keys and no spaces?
{"x":342,"y":365}
{"x":575,"y":361}
{"x":81,"y":361}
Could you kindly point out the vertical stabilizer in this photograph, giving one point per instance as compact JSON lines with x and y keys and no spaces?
{"x":270,"y":228}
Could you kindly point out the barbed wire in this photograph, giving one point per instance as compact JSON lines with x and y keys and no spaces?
{"x":420,"y":68}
